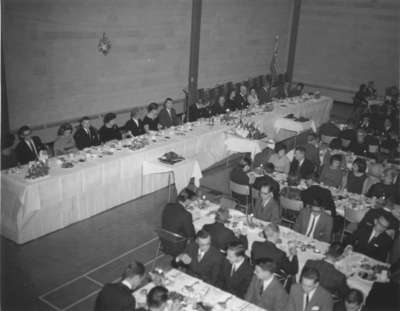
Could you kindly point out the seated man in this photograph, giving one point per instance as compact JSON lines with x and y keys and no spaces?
{"x":135,"y":125}
{"x":312,"y":149}
{"x":167,"y":116}
{"x":29,"y":146}
{"x":237,"y":271}
{"x":201,"y":259}
{"x":265,"y":290}
{"x":322,"y":196}
{"x":300,"y":165}
{"x":329,"y":277}
{"x":269,"y":169}
{"x":118,"y":296}
{"x":86,"y":135}
{"x":372,"y":241}
{"x":267,"y":208}
{"x":289,"y":265}
{"x":175,"y":218}
{"x":314,"y":222}
{"x":157,"y":300}
{"x":239,"y":176}
{"x":353,"y":301}
{"x":219,"y":106}
{"x":309,"y":295}
{"x":222,"y":236}
{"x":262,"y":158}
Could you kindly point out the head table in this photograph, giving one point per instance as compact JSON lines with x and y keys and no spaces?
{"x":107,"y":176}
{"x":308,"y":248}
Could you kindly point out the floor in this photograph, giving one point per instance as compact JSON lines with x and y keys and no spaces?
{"x":65,"y":269}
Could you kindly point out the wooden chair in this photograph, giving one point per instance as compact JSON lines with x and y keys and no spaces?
{"x":290,"y":210}
{"x":352,"y":217}
{"x":170,"y":243}
{"x":240,"y":192}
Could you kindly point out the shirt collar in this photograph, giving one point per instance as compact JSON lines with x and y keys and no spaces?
{"x":237,"y":265}
{"x":310,"y":295}
{"x":127,"y":284}
{"x":267,"y":283}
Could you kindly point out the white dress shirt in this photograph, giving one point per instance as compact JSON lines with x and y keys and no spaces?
{"x":267,"y":283}
{"x":127,"y":284}
{"x":236,"y":266}
{"x":310,"y":295}
{"x":310,"y":231}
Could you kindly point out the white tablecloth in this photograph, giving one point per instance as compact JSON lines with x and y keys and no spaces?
{"x":178,"y":281}
{"x":237,"y":144}
{"x":31,"y":209}
{"x":349,"y":266}
{"x":182,"y":171}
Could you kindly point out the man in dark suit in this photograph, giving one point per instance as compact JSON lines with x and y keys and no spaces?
{"x":175,"y":218}
{"x":219,"y":106}
{"x":309,"y":295}
{"x":262,"y":158}
{"x":167,"y":116}
{"x":86,"y":135}
{"x":352,"y":302}
{"x":265,"y":290}
{"x":135,"y":124}
{"x":197,"y":111}
{"x":237,"y":272}
{"x":265,"y":93}
{"x":329,"y":277}
{"x":29,"y":147}
{"x":241,"y":98}
{"x":315,"y":223}
{"x":118,"y":296}
{"x":312,"y":149}
{"x":316,"y":193}
{"x":201,"y":259}
{"x":222,"y":236}
{"x":372,"y":241}
{"x":269,"y":169}
{"x":388,"y":212}
{"x":268,"y":249}
{"x":300,"y":165}
{"x":267,"y":208}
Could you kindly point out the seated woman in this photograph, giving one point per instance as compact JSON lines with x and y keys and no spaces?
{"x":384,"y":189}
{"x":64,"y":142}
{"x":150,"y":121}
{"x":252,"y":98}
{"x":231,"y":103}
{"x":280,"y":160}
{"x":109,"y":130}
{"x":354,"y":181}
{"x":373,"y":176}
{"x":332,"y":174}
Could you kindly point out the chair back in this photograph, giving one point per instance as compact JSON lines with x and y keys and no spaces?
{"x":171,"y":243}
{"x":327,"y":139}
{"x":289,"y":204}
{"x":385,"y":150}
{"x":239,"y":189}
{"x":354,"y":215}
{"x":373,"y":148}
{"x":228,"y":203}
{"x":345,"y":142}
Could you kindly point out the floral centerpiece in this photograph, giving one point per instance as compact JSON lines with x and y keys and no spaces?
{"x":250,"y":130}
{"x":37,"y":169}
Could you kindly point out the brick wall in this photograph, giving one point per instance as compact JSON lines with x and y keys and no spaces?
{"x":54,"y":71}
{"x":237,"y":38}
{"x":342,"y":43}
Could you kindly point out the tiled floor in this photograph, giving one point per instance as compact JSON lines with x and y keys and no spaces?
{"x":66,"y":269}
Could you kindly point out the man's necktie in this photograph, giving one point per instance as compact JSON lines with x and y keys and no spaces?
{"x":307,"y":302}
{"x":311,"y":227}
{"x":233,"y":270}
{"x":199,"y":256}
{"x":261,"y":288}
{"x":32,"y":147}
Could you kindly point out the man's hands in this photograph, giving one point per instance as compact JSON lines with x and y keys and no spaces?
{"x":184,"y":258}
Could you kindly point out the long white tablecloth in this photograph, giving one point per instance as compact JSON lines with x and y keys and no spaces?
{"x":31,"y":209}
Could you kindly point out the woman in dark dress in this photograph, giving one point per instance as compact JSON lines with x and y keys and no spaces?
{"x":150,"y":121}
{"x":355,"y":179}
{"x":110,"y":130}
{"x":219,"y":107}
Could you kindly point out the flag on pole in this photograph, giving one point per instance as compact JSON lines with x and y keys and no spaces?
{"x":274,"y":70}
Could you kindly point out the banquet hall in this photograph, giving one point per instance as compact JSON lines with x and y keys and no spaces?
{"x":179,"y":155}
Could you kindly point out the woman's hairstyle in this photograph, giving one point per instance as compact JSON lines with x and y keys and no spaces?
{"x":335,"y":157}
{"x":151,"y":107}
{"x":64,"y":127}
{"x":108,"y":117}
{"x":362,"y":165}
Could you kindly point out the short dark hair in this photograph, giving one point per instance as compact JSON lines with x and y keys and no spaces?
{"x":167,"y":100}
{"x":84,"y":118}
{"x":269,"y":167}
{"x":354,"y":296}
{"x":310,"y":273}
{"x":293,"y":180}
{"x":152,"y":106}
{"x":280,"y":147}
{"x":300,"y":84}
{"x":157,"y":296}
{"x":64,"y":127}
{"x":301,"y":149}
{"x":266,"y":264}
{"x":246,"y":160}
{"x":133,"y":269}
{"x":335,"y":157}
{"x":108,"y":117}
{"x":335,"y":250}
{"x":23,"y":129}
{"x":362,"y":165}
{"x":202,"y":234}
{"x":238,"y":248}
{"x":266,"y":184}
{"x":134,"y":111}
{"x":185,"y":194}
